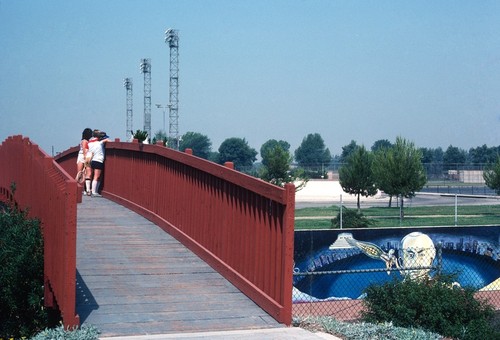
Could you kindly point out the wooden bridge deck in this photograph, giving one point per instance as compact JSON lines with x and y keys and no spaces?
{"x":135,"y":279}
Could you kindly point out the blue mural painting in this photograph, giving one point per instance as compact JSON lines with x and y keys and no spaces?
{"x":356,"y":258}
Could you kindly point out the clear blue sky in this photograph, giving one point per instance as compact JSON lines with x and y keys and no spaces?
{"x":428,"y":71}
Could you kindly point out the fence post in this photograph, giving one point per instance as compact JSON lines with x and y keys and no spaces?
{"x":341,"y":203}
{"x":439,"y":258}
{"x":288,"y":242}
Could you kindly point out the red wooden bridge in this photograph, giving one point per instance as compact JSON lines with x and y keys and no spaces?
{"x":177,"y":244}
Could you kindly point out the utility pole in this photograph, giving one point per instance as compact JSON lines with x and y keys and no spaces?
{"x":146,"y":69}
{"x":127,"y":82}
{"x":164,"y":108}
{"x":172,"y":39}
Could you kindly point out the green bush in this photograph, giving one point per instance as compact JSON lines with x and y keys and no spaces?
{"x":351,"y":218}
{"x":432,"y":305}
{"x":21,"y":276}
{"x":362,"y":330}
{"x":140,"y":135}
{"x":316,"y":174}
{"x":86,"y":332}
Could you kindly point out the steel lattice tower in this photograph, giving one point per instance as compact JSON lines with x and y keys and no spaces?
{"x":172,"y":39}
{"x":127,"y":82}
{"x":146,"y":69}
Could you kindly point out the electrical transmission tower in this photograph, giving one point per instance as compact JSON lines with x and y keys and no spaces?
{"x":172,"y":39}
{"x":146,"y":69}
{"x":127,"y":82}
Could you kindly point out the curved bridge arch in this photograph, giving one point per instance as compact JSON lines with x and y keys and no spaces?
{"x":240,"y":225}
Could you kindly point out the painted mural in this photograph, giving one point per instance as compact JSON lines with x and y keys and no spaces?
{"x":344,"y":262}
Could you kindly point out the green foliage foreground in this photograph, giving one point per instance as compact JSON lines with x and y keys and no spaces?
{"x":86,"y":332}
{"x":363,"y":330}
{"x":22,"y":314}
{"x":431,"y":304}
{"x":351,"y":219}
{"x":21,"y":278}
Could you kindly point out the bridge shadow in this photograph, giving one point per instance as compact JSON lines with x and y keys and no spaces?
{"x":85,"y":301}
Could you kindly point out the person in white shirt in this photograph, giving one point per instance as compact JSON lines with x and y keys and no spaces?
{"x":97,"y":147}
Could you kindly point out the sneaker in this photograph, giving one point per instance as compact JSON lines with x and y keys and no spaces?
{"x":96,"y":195}
{"x":88,"y":193}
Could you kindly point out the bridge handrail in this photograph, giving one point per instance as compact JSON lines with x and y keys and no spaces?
{"x":240,"y":225}
{"x":50,"y":195}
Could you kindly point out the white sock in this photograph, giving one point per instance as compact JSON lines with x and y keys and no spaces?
{"x":94,"y":187}
{"x":88,"y":183}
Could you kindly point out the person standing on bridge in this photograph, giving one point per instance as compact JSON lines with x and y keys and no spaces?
{"x":97,"y":147}
{"x":83,"y":161}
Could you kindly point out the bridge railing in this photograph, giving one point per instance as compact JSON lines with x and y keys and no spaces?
{"x":50,"y":195}
{"x":240,"y":225}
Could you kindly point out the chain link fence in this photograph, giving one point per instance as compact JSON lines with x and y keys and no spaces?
{"x":438,"y":174}
{"x":330,"y":279}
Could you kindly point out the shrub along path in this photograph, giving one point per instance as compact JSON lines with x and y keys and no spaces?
{"x":135,"y":279}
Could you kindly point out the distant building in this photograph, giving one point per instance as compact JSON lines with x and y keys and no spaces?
{"x":466,"y":176}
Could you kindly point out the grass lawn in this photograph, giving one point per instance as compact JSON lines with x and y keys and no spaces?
{"x":320,"y":217}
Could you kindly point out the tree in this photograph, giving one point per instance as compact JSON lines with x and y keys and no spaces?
{"x":269,"y":146}
{"x":213,"y":156}
{"x":453,"y":156}
{"x":404,"y":172}
{"x":430,"y":155}
{"x":432,"y":159}
{"x":347,"y":150}
{"x":427,"y":155}
{"x":200,"y":144}
{"x":483,"y":154}
{"x":312,"y":152}
{"x":160,"y":135}
{"x":491,"y":175}
{"x":276,"y":163}
{"x":438,"y":155}
{"x":356,"y":176}
{"x":238,"y":151}
{"x":381,"y":143}
{"x":383,"y":160}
